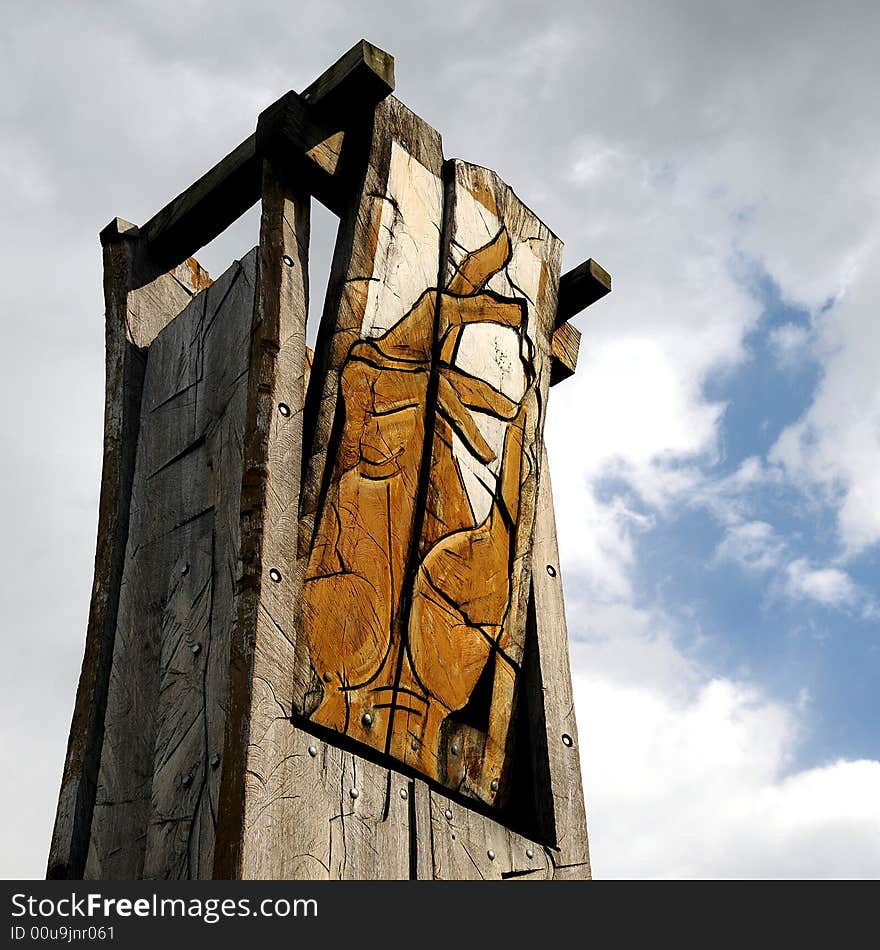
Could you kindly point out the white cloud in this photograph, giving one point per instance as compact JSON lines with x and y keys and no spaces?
{"x":790,"y":344}
{"x":702,"y":787}
{"x":753,"y":545}
{"x":828,"y":586}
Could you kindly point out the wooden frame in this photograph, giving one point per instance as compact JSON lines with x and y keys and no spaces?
{"x":278,"y":798}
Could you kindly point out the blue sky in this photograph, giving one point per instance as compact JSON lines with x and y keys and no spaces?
{"x":715,"y":460}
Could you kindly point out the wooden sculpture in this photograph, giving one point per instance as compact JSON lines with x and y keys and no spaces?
{"x":327,"y":636}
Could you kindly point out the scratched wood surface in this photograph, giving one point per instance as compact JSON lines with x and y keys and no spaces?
{"x":156,"y":800}
{"x":416,"y":585}
{"x":135,"y":312}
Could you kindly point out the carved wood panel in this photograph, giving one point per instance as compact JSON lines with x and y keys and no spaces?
{"x":417,"y":564}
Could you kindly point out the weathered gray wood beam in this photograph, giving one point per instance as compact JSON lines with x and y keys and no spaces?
{"x":578,"y":289}
{"x":581,"y":287}
{"x":292,"y":127}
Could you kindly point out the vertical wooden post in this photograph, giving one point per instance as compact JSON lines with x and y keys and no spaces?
{"x":254,"y":801}
{"x":135,"y":312}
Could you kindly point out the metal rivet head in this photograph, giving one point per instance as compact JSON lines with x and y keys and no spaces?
{"x":312,"y":751}
{"x":284,"y":409}
{"x":185,"y":570}
{"x":567,"y":740}
{"x":353,"y":792}
{"x":367,"y":720}
{"x":275,"y":574}
{"x":494,"y":785}
{"x":403,"y":794}
{"x":215,"y":760}
{"x":196,"y":648}
{"x":328,"y":677}
{"x":288,"y":260}
{"x":454,"y":749}
{"x":551,"y":570}
{"x":491,"y":855}
{"x":187,"y":780}
{"x":448,"y":814}
{"x":529,"y":853}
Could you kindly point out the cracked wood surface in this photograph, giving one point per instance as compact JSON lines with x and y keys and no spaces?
{"x":419,"y":497}
{"x":160,"y":764}
{"x":257,"y":800}
{"x":133,"y":318}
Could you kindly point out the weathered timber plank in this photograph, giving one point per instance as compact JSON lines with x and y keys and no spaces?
{"x":471,"y":590}
{"x":386,"y":258}
{"x":581,"y":287}
{"x":357,"y":80}
{"x":132,"y":319}
{"x":292,"y":125}
{"x":565,"y":343}
{"x":551,"y":700}
{"x":260,"y":782}
{"x":467,"y":846}
{"x":156,"y":794}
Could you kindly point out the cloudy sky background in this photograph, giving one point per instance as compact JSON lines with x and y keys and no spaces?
{"x":716,"y":459}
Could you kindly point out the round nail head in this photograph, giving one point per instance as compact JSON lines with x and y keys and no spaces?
{"x":215,"y":760}
{"x":275,"y":574}
{"x":551,"y":570}
{"x":284,"y":409}
{"x":403,"y":794}
{"x":448,"y":814}
{"x":367,"y":720}
{"x":415,"y":745}
{"x":187,"y":780}
{"x":353,"y":792}
{"x":529,"y":853}
{"x":454,"y":749}
{"x":288,"y":260}
{"x":494,"y":785}
{"x":196,"y":648}
{"x":491,"y":855}
{"x":185,"y":569}
{"x":567,"y":740}
{"x":328,"y":677}
{"x":312,"y":751}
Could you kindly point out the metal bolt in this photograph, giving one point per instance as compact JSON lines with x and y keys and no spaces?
{"x":403,"y":794}
{"x":367,"y":720}
{"x":448,"y":814}
{"x":454,"y":749}
{"x":491,"y":855}
{"x":494,"y":785}
{"x":275,"y":574}
{"x":529,"y":853}
{"x":288,"y":260}
{"x":215,"y":760}
{"x":567,"y":740}
{"x":551,"y":570}
{"x":353,"y":792}
{"x":312,"y":751}
{"x":196,"y":648}
{"x":284,"y":409}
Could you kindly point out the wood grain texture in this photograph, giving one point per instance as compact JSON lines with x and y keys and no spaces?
{"x":257,"y":794}
{"x":416,"y":585}
{"x":581,"y":287}
{"x":565,"y":344}
{"x":551,"y":700}
{"x":156,"y":799}
{"x":133,"y":318}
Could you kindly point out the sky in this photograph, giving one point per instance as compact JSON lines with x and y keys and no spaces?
{"x":715,"y":460}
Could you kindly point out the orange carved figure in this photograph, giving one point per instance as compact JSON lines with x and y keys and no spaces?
{"x":408,"y":584}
